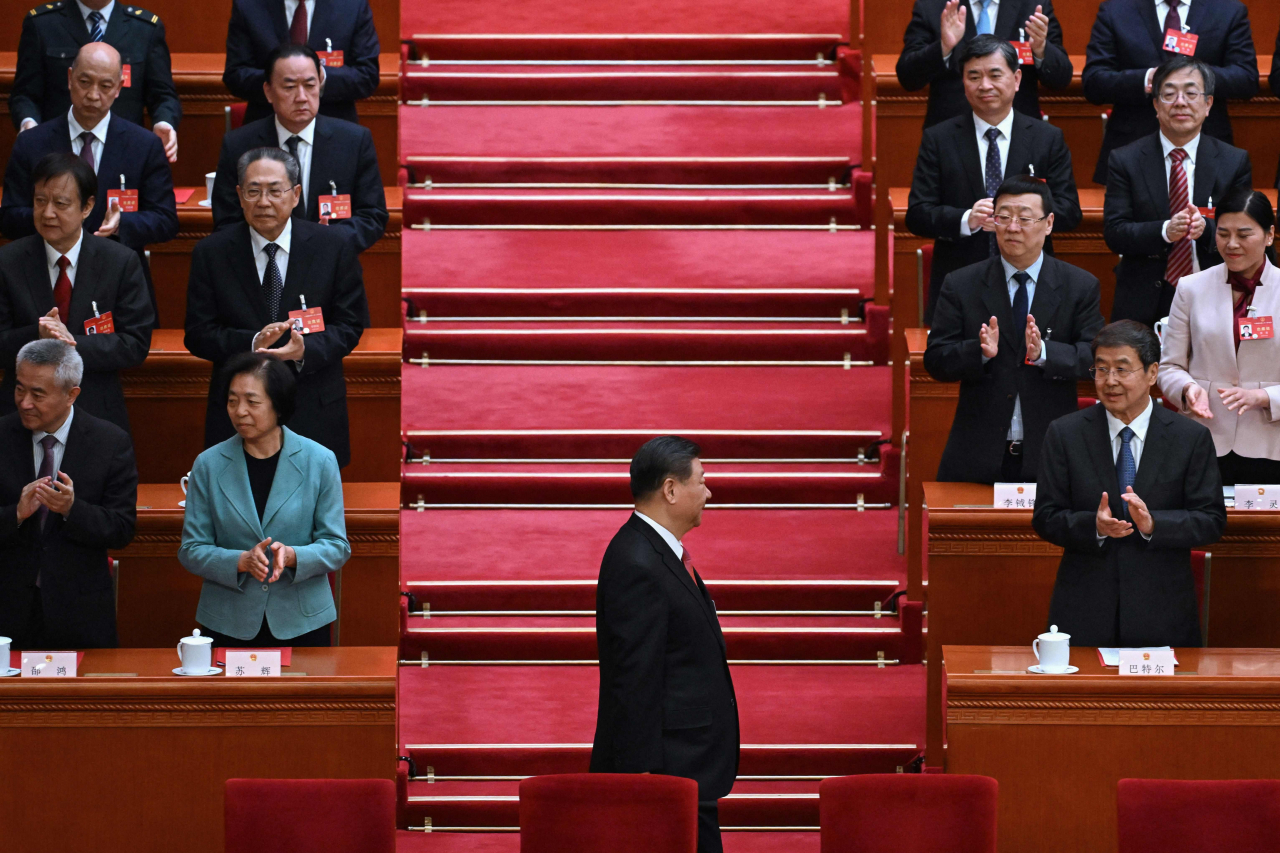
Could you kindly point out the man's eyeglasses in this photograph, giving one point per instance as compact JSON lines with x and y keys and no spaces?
{"x":1169,"y":96}
{"x":1004,"y":220}
{"x":275,"y":193}
{"x":1121,"y":373}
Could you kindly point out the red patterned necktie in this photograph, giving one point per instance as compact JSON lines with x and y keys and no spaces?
{"x":62,"y":291}
{"x":86,"y":150}
{"x":688,"y":565}
{"x":1243,"y":289}
{"x":298,"y":26}
{"x":1180,"y":252}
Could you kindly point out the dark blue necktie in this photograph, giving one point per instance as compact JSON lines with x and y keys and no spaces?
{"x":96,"y":30}
{"x":272,"y":281}
{"x":991,"y":179}
{"x":1126,"y":467}
{"x":1020,"y":305}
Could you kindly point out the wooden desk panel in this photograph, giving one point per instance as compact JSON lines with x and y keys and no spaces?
{"x":157,"y":597}
{"x":1058,"y":744}
{"x":167,"y":395}
{"x":171,"y":263}
{"x":139,"y":763}
{"x":980,"y":558}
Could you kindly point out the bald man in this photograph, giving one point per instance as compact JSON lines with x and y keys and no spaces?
{"x":124,"y":156}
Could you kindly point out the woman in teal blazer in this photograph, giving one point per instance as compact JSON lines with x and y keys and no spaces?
{"x":264,"y":522}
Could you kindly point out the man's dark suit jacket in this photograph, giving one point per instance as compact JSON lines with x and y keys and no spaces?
{"x":1128,"y":592}
{"x":1066,"y":310}
{"x":1137,"y":206}
{"x":920,"y":64}
{"x":949,"y":179}
{"x":108,"y":274}
{"x":667,"y":703}
{"x":343,"y":153}
{"x":226,"y":308}
{"x":70,"y":554}
{"x":131,"y":151}
{"x":1274,"y":81}
{"x":1127,"y":40}
{"x":52,"y":35}
{"x":259,"y":27}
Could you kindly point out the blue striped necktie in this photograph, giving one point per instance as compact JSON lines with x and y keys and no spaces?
{"x":96,"y":30}
{"x":1126,"y":467}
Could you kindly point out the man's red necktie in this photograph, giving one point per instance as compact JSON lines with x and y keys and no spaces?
{"x":688,"y":565}
{"x":62,"y":292}
{"x":298,"y":26}
{"x":1180,"y":252}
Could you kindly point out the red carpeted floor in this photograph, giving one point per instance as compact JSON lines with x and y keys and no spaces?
{"x":509,"y":842}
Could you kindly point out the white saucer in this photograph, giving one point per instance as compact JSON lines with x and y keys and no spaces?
{"x":204,"y":202}
{"x":213,"y":670}
{"x":1038,"y":671}
{"x":11,"y":671}
{"x":183,"y":503}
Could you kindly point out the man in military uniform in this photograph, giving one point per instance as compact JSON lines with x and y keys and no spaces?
{"x":52,"y":35}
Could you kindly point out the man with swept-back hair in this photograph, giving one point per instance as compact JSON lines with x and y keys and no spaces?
{"x":667,"y":703}
{"x":68,"y":492}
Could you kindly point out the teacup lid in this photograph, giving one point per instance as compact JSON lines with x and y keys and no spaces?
{"x":195,"y":639}
{"x":1053,"y":634}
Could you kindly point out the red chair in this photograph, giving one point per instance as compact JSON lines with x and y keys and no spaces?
{"x":608,"y":813}
{"x":1170,"y":816}
{"x":310,"y":816}
{"x":235,"y":115}
{"x":908,"y":813}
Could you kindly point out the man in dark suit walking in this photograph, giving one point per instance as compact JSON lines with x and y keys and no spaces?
{"x":1156,"y":187}
{"x":64,"y":283}
{"x":940,"y":29}
{"x":341,"y":31}
{"x":52,"y":35}
{"x":245,"y":282}
{"x":1014,"y":331}
{"x":336,"y":156}
{"x":963,"y":160}
{"x":1128,"y":43}
{"x":1127,"y":488}
{"x":68,"y":493}
{"x":667,"y":703}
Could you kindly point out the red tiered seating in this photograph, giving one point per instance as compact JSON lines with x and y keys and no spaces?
{"x":310,"y":816}
{"x":608,"y":813}
{"x":928,"y":813}
{"x":1204,"y":817}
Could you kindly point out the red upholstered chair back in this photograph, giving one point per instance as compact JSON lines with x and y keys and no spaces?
{"x":908,"y":813}
{"x":608,"y":813}
{"x":235,"y":115}
{"x":1204,"y":817}
{"x":310,"y":816}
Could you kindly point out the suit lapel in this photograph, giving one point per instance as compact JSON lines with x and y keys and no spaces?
{"x":1155,"y":26}
{"x":275,"y":11}
{"x":677,"y":568}
{"x":1194,"y":16}
{"x":77,"y":450}
{"x":287,"y":481}
{"x":1020,"y":154}
{"x":298,"y":274}
{"x":1007,"y":21}
{"x":995,"y":296}
{"x":320,"y":25}
{"x":1153,"y":173}
{"x":316,"y":180}
{"x":1048,"y":294}
{"x":115,"y":28}
{"x":75,"y":24}
{"x":1099,"y":442}
{"x":109,"y":170}
{"x":1153,"y":449}
{"x":85,"y":290}
{"x":234,"y":483}
{"x":1206,"y":170}
{"x":972,"y":157}
{"x":38,"y":276}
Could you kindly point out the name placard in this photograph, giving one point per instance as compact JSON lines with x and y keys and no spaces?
{"x":49,"y":664}
{"x":1255,"y":497}
{"x":1147,"y":662}
{"x":1015,"y":496}
{"x":253,"y":664}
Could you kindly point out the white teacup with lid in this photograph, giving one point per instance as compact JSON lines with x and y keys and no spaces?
{"x":196,"y":654}
{"x":1053,"y":651}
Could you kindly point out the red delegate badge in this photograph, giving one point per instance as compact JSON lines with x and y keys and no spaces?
{"x":1183,"y":43}
{"x":308,"y":320}
{"x":1257,"y":329}
{"x":335,"y":207}
{"x":1025,"y":56}
{"x":100,"y":325}
{"x":330,"y":58}
{"x":127,"y":199}
{"x":126,"y":76}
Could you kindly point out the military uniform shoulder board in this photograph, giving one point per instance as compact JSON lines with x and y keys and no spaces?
{"x":142,"y":14}
{"x":44,"y":8}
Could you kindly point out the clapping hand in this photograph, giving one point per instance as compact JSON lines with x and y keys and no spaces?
{"x":980,"y":216}
{"x":255,"y":562}
{"x":27,"y":503}
{"x":1037,"y":27}
{"x":282,"y":557}
{"x":169,"y":137}
{"x":1034,"y":342}
{"x":1108,"y":525}
{"x":292,"y":351}
{"x":1240,"y":400}
{"x":1138,"y":512}
{"x":952,"y":25}
{"x":1197,"y":400}
{"x":58,"y":499}
{"x":51,"y":326}
{"x":1184,"y":223}
{"x":989,"y":337}
{"x":111,"y":224}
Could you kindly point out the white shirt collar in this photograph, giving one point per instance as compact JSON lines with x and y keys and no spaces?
{"x":1179,"y":3}
{"x":307,"y":134}
{"x":1033,"y":270}
{"x":1005,"y":125}
{"x":105,"y":12}
{"x":73,"y":254}
{"x":61,"y":433}
{"x":99,"y":132}
{"x":1191,"y":147}
{"x":1139,"y":425}
{"x":259,"y":242}
{"x":667,"y":535}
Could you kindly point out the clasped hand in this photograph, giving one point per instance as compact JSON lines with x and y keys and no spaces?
{"x":1237,"y":400}
{"x":292,"y":351}
{"x":1186,"y":222}
{"x":1117,"y":528}
{"x":41,"y":492}
{"x":989,"y":338}
{"x":267,"y":560}
{"x":51,"y":326}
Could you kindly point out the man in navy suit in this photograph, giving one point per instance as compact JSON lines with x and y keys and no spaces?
{"x":116,"y":149}
{"x":940,"y":29}
{"x":1128,"y":43}
{"x":334,"y":155}
{"x":339,"y":26}
{"x":1274,"y":80}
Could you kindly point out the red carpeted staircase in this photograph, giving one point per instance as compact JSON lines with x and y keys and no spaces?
{"x":623,"y":222}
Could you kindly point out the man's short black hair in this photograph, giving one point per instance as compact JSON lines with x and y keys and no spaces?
{"x":61,"y":163}
{"x":1129,"y":333}
{"x":1026,"y":185}
{"x":660,"y":458}
{"x":1178,"y":62}
{"x":985,"y":45}
{"x":282,"y":388}
{"x":288,"y":51}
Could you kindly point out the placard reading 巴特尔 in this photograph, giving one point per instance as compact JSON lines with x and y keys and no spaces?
{"x":1015,"y":496}
{"x":253,"y":664}
{"x":1147,"y":662}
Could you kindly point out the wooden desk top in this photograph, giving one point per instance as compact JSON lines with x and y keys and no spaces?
{"x":160,"y":500}
{"x":374,"y":344}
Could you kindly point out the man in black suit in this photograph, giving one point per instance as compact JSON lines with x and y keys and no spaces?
{"x":1127,"y":488}
{"x":1014,"y":378}
{"x":68,"y":492}
{"x":52,"y":35}
{"x":667,"y":703}
{"x":1128,"y":44}
{"x":64,"y":283}
{"x":1151,"y":215}
{"x":247,"y":279}
{"x":959,"y":167}
{"x":341,"y":31}
{"x":336,"y":156}
{"x":939,"y":29}
{"x":1274,"y":81}
{"x":117,"y":148}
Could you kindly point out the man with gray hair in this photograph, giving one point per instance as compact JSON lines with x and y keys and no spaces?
{"x":68,"y":493}
{"x":280,"y":285}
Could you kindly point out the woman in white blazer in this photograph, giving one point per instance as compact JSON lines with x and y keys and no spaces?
{"x":1215,"y":366}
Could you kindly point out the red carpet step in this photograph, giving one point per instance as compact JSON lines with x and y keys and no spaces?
{"x":443,"y":142}
{"x":509,"y":842}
